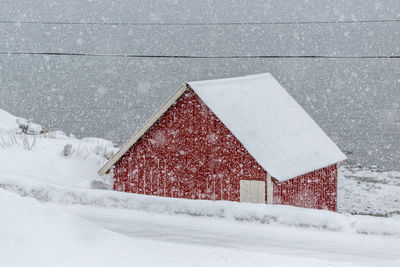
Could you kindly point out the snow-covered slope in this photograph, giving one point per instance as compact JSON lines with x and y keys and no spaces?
{"x":10,"y":124}
{"x":230,"y":211}
{"x":41,"y":159}
{"x":38,"y":235}
{"x":51,"y":157}
{"x":47,"y":184}
{"x":32,"y":234}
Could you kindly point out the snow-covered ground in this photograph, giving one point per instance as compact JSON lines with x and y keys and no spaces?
{"x":291,"y":243}
{"x":363,"y":190}
{"x":33,"y":234}
{"x":52,"y":157}
{"x":37,"y":234}
{"x":53,"y":214}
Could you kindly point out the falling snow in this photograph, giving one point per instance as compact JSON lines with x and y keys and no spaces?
{"x":63,"y":67}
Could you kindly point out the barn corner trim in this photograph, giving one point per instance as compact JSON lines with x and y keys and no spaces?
{"x":143,"y":129}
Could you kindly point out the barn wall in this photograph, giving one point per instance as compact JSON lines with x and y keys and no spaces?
{"x":187,"y":153}
{"x":316,"y":189}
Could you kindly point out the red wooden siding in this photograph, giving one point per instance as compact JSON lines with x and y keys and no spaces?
{"x":189,"y":153}
{"x":316,"y":189}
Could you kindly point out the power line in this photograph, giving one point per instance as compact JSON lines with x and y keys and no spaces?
{"x":197,"y":23}
{"x":201,"y":57}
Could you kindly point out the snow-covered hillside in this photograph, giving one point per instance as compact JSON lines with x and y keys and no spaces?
{"x":50,"y":157}
{"x":41,"y":158}
{"x":53,"y":214}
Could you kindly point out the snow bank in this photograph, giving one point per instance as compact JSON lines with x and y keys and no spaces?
{"x":260,"y":213}
{"x":42,"y":159}
{"x":32,"y":234}
{"x":36,"y":235}
{"x":29,"y":151}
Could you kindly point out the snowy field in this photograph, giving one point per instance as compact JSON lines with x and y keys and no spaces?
{"x":369,"y":191}
{"x":55,"y":212}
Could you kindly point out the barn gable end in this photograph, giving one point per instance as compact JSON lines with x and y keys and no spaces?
{"x":187,"y":153}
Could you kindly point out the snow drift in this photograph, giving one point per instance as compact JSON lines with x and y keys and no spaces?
{"x":29,"y":239}
{"x":260,"y":213}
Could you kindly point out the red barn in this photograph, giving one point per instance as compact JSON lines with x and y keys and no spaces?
{"x":237,"y":139}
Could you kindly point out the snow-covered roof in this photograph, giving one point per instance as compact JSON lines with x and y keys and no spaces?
{"x":270,"y":124}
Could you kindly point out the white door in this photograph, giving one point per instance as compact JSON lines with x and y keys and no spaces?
{"x":252,"y":191}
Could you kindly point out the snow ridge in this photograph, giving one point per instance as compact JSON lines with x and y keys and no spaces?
{"x":259,"y":213}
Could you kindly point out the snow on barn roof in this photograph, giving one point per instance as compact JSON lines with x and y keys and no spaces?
{"x":270,"y":124}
